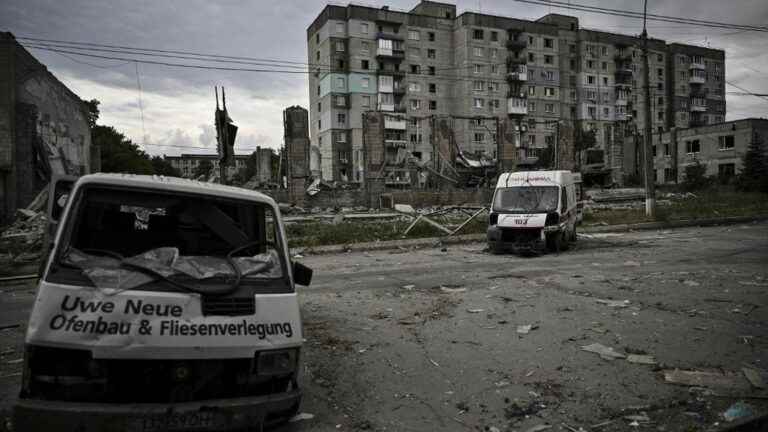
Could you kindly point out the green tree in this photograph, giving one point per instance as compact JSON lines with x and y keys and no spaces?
{"x":754,"y":172}
{"x":204,"y":168}
{"x":164,"y":168}
{"x":93,"y":111}
{"x":118,"y":153}
{"x":695,"y":177}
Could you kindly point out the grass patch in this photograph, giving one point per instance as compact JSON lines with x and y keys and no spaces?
{"x":716,"y":202}
{"x":710,"y":203}
{"x":322,"y":233}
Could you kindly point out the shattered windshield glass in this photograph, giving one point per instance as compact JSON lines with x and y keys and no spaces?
{"x":528,"y":199}
{"x":124,"y":239}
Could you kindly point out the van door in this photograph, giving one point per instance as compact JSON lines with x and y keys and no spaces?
{"x":59,"y":191}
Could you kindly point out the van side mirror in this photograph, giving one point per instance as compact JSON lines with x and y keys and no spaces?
{"x":302,"y":274}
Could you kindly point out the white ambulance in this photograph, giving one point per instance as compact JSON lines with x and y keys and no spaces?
{"x":533,"y":211}
{"x":164,"y":304}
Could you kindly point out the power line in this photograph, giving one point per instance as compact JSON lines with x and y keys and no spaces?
{"x":639,"y":15}
{"x":162,"y":51}
{"x":188,"y":55}
{"x":747,"y":91}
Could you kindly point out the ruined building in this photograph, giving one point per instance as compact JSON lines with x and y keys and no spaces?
{"x":44,"y":129}
{"x":503,"y":81}
{"x":297,"y":157}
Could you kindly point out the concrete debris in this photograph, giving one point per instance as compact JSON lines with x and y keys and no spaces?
{"x":631,"y":263}
{"x":614,"y":303}
{"x":640,"y":418}
{"x":728,"y":381}
{"x":525,"y":329}
{"x":755,"y":377}
{"x":450,"y":290}
{"x":606,"y":353}
{"x":641,"y":359}
{"x":301,"y":416}
{"x":691,"y":283}
{"x":475,"y":310}
{"x":539,"y":428}
{"x":737,"y":411}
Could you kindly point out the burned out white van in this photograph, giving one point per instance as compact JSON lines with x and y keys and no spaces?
{"x":164,"y":304}
{"x":533,"y":211}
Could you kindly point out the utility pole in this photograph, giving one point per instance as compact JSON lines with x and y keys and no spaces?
{"x":650,"y":186}
{"x":557,"y":145}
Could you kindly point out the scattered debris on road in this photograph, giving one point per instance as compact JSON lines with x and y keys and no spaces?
{"x":724,"y":381}
{"x":605,"y":353}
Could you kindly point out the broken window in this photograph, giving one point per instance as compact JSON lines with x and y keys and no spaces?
{"x":528,"y":199}
{"x":128,"y":238}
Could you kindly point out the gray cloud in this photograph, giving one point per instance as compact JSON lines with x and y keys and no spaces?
{"x":178,"y":103}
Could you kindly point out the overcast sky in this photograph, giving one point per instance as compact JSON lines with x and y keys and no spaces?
{"x":178,"y":103}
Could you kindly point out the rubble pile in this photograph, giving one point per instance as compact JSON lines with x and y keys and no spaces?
{"x":22,"y":240}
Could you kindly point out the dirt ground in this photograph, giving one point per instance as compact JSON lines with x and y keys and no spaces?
{"x":430,"y":340}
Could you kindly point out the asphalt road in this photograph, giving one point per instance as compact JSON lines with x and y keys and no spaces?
{"x":428,"y":339}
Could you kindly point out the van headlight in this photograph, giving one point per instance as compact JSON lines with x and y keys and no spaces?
{"x":279,"y":362}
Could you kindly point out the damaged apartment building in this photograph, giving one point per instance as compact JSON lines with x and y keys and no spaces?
{"x":44,"y":129}
{"x":498,"y":89}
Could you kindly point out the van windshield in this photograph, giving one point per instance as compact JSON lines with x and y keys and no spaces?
{"x":125,"y":238}
{"x":526,"y":199}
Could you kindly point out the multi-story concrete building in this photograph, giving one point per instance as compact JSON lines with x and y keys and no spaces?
{"x":187,"y":163}
{"x":719,"y":147}
{"x":480,"y":69}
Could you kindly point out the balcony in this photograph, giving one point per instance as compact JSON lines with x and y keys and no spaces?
{"x":516,"y":45}
{"x":623,"y":116}
{"x":397,"y":123}
{"x":398,"y":88}
{"x":624,"y":69}
{"x":697,"y":63}
{"x":517,"y":106}
{"x":622,"y":58}
{"x":698,"y":105}
{"x":697,"y":78}
{"x":395,"y":143}
{"x":622,"y":102}
{"x":518,"y":72}
{"x":389,"y":35}
{"x":391,"y":72}
{"x":390,"y":53}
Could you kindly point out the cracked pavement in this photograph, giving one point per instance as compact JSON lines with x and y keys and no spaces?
{"x":428,"y":339}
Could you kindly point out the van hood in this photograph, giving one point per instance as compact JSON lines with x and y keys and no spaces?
{"x":114,"y":323}
{"x":528,"y":220}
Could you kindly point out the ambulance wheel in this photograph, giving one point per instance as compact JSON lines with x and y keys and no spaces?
{"x":555,"y":242}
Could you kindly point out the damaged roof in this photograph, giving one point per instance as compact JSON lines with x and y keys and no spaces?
{"x":174,"y":184}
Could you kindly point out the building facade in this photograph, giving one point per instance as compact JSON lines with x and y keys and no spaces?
{"x":44,"y":129}
{"x":187,"y":164}
{"x":476,"y":68}
{"x":719,"y":147}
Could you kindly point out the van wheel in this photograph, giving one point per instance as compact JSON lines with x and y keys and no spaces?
{"x":555,"y":242}
{"x":495,"y":250}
